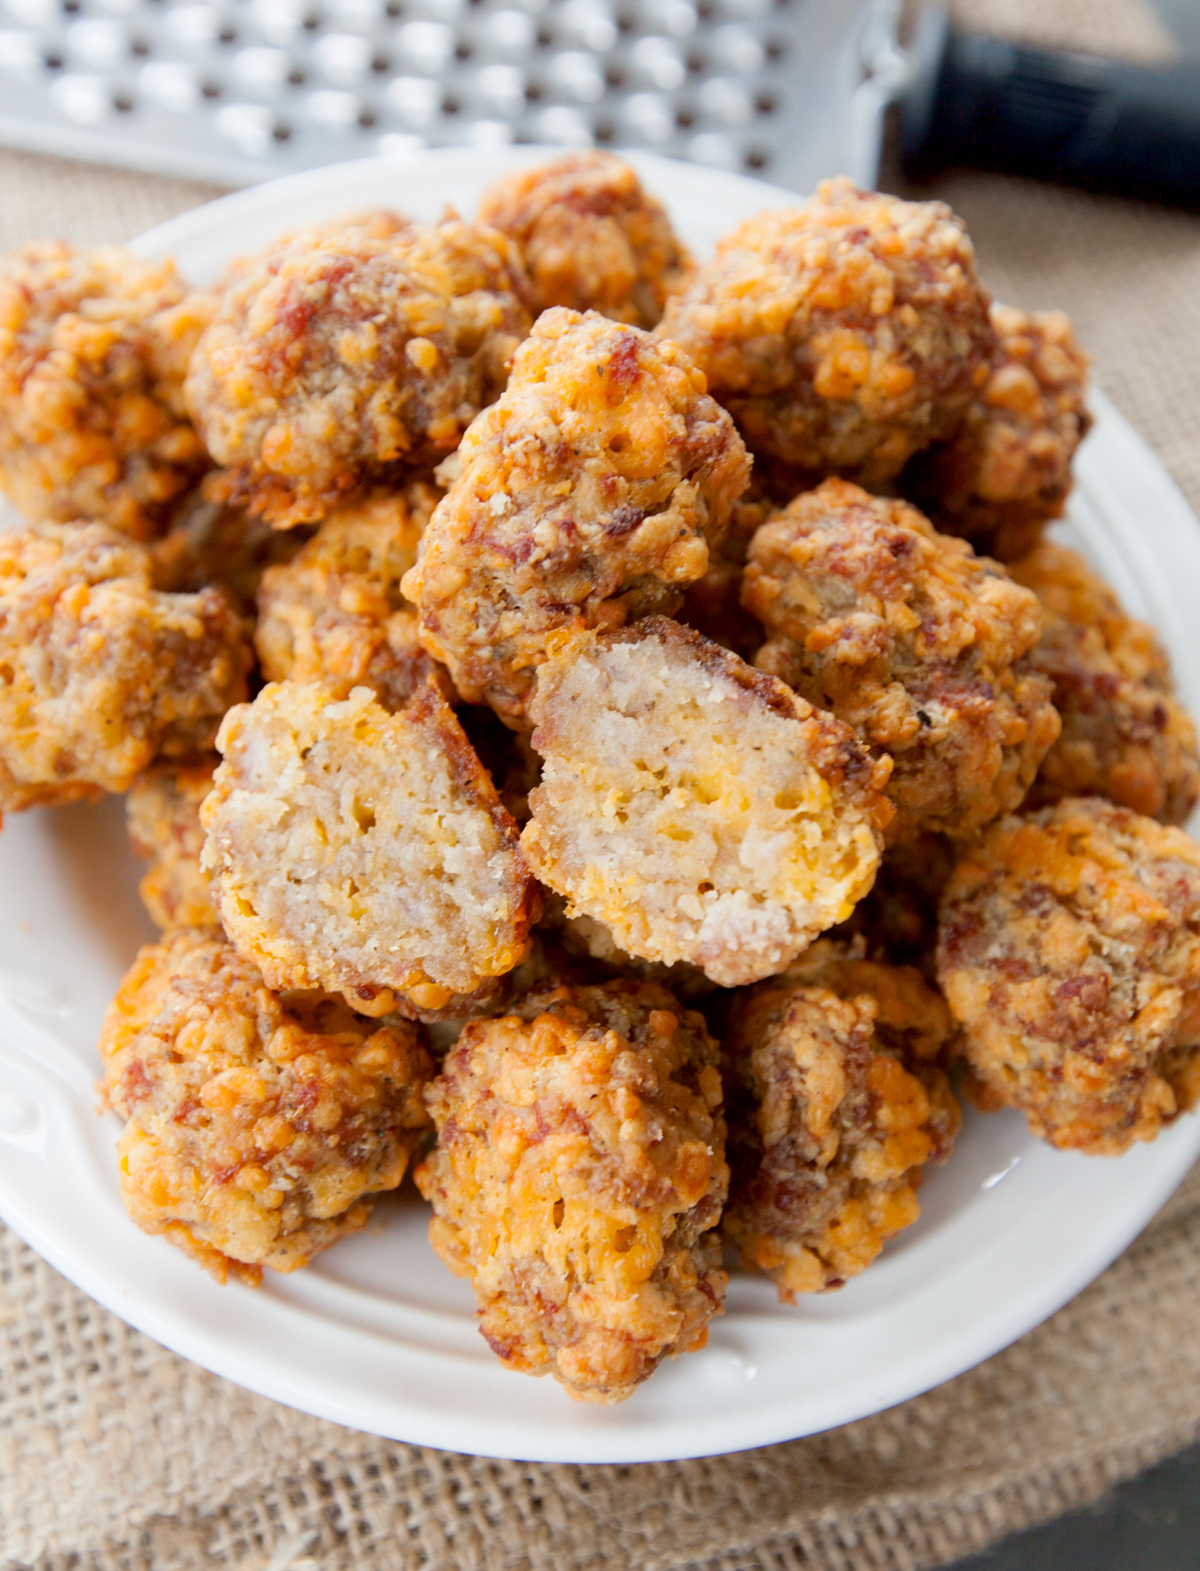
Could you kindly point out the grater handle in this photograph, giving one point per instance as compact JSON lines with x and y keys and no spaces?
{"x":1078,"y":119}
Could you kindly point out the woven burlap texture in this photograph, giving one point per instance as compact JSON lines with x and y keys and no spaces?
{"x":117,"y":1456}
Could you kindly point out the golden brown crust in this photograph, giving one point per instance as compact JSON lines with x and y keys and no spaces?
{"x":915,"y":642}
{"x":694,"y":806}
{"x":843,"y":335}
{"x":163,"y":813}
{"x":343,"y":358}
{"x":1007,"y":471}
{"x":335,"y":614}
{"x":588,"y":495}
{"x":257,"y":1123}
{"x":1070,"y":954}
{"x":836,"y":1106}
{"x":578,"y":1179}
{"x":591,"y":238}
{"x":364,"y":852}
{"x":1125,"y":735}
{"x":100,"y":673}
{"x":93,"y":346}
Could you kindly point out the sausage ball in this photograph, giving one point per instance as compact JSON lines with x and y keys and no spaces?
{"x":898,"y":920}
{"x":335,"y":614}
{"x":591,"y":238}
{"x":696,"y":808}
{"x":257,"y":1123}
{"x":588,"y":495}
{"x":914,"y":641}
{"x":578,"y":1179}
{"x":93,"y":349}
{"x":345,"y":358}
{"x":363,"y":852}
{"x":1125,"y":735}
{"x":1070,"y":955}
{"x":99,"y":672}
{"x":1007,"y":470}
{"x":163,"y":812}
{"x":843,"y":335}
{"x":836,"y":1106}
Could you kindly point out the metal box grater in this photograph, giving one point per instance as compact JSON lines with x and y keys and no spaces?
{"x":238,"y":91}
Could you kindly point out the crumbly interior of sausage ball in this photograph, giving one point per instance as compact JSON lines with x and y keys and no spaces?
{"x":163,"y":811}
{"x":1125,"y":734}
{"x":577,"y":1181}
{"x":836,"y":1107}
{"x":589,"y":494}
{"x":695,"y":807}
{"x":99,"y":672}
{"x":844,"y":334}
{"x":335,"y":613}
{"x":363,"y":852}
{"x":257,"y":1123}
{"x":1070,"y":955}
{"x":913,"y":641}
{"x":1007,"y":470}
{"x":93,"y":348}
{"x":344,"y":357}
{"x":590,"y":236}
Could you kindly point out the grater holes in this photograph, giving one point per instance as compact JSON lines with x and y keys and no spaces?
{"x":210,"y":89}
{"x":122,"y":103}
{"x":756,"y":158}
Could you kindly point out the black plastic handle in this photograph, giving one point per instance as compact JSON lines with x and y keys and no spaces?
{"x":1078,"y":119}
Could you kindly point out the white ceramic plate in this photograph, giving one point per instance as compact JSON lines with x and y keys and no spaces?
{"x":376,"y":1334}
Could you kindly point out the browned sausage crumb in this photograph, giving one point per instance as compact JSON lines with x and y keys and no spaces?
{"x":588,"y":495}
{"x":578,"y":1179}
{"x":1125,"y":735}
{"x":257,"y":1123}
{"x":1007,"y":471}
{"x":843,"y":335}
{"x":696,"y":808}
{"x":914,"y":641}
{"x":163,"y":810}
{"x":591,"y":238}
{"x":1070,"y":954}
{"x":99,"y":672}
{"x":93,"y":348}
{"x":335,"y":614}
{"x":836,"y":1107}
{"x":345,"y":357}
{"x":363,"y":852}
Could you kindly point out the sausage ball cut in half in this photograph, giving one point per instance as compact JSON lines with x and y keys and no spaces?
{"x":591,"y":238}
{"x":343,"y":358}
{"x":588,"y":495}
{"x":843,"y":335}
{"x":335,"y":614}
{"x":913,"y":640}
{"x":99,"y":672}
{"x":163,"y":812}
{"x":362,"y":852}
{"x":578,"y":1180}
{"x":257,"y":1123}
{"x":93,"y":350}
{"x":1125,"y":735}
{"x":696,"y":808}
{"x":1070,"y":955}
{"x":1007,"y":470}
{"x":836,"y":1107}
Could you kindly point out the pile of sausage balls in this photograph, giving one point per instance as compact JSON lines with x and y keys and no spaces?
{"x":607,"y":732}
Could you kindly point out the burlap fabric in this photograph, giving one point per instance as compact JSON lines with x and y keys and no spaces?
{"x":117,"y":1456}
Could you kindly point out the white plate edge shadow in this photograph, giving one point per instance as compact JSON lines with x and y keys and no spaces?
{"x":284,"y":1348}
